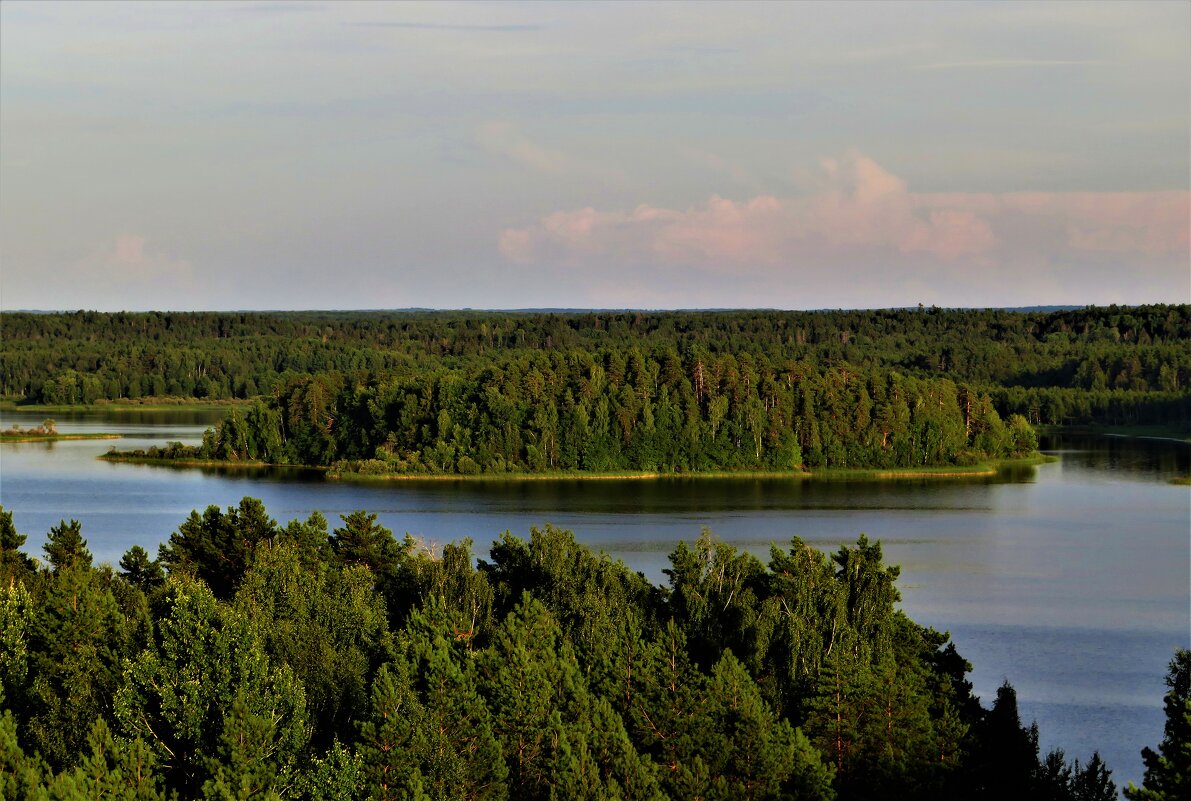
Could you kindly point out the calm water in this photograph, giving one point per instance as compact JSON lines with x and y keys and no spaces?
{"x":1072,"y":580}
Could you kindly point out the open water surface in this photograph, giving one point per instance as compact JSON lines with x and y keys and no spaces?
{"x":1072,"y":579}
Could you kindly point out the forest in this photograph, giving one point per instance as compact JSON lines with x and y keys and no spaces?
{"x":467,"y":393}
{"x":614,"y":410}
{"x":1109,"y":365}
{"x":252,"y":659}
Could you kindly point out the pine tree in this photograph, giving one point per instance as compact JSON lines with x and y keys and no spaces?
{"x":141,"y":571}
{"x":1091,"y":782}
{"x":22,"y":777}
{"x":113,"y":769}
{"x":65,"y":546}
{"x":217,"y":546}
{"x":77,"y":640}
{"x":205,"y":694}
{"x":392,"y":737}
{"x":15,"y":565}
{"x":1168,"y":770}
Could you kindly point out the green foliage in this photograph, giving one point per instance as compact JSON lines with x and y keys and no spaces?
{"x":15,"y":565}
{"x":216,"y":546}
{"x":1168,"y":770}
{"x":16,"y":619}
{"x":1093,"y":352}
{"x":113,"y":769}
{"x":77,"y":639}
{"x":326,"y":624}
{"x":22,"y":777}
{"x":140,"y":571}
{"x":65,"y":547}
{"x":546,"y":671}
{"x":208,"y":701}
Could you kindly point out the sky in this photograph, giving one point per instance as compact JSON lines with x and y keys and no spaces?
{"x":292,"y":155}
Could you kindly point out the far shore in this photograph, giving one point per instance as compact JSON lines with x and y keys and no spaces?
{"x":1166,"y":433}
{"x":161,"y":404}
{"x":26,"y":436}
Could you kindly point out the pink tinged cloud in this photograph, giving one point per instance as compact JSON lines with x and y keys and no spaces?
{"x":126,"y":261}
{"x":861,"y":212}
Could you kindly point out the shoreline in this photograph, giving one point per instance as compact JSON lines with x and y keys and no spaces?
{"x":118,"y":457}
{"x":6,"y":437}
{"x":1163,"y":433}
{"x":982,"y":470}
{"x":163,"y":404}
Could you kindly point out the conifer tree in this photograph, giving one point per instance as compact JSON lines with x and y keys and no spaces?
{"x":205,"y":694}
{"x":391,"y":737}
{"x":15,"y":565}
{"x":22,"y":776}
{"x":141,"y":571}
{"x":65,"y":546}
{"x":77,"y":640}
{"x":217,"y":546}
{"x":1168,"y":770}
{"x":112,"y":769}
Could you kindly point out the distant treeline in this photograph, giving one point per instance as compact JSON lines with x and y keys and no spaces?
{"x":255,"y":660}
{"x":616,"y":410}
{"x":1127,"y":364}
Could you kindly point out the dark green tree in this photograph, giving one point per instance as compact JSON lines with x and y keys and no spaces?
{"x":15,"y":565}
{"x":217,"y":546}
{"x":1168,"y":770}
{"x":66,"y":548}
{"x":140,"y":571}
{"x":208,"y":701}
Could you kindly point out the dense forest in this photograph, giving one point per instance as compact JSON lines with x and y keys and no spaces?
{"x":616,"y":410}
{"x":258,"y":660}
{"x":1105,"y":365}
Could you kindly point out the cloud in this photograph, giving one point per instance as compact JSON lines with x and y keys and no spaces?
{"x":1003,"y":63}
{"x":503,"y":139}
{"x":862,"y":213}
{"x":442,"y":26}
{"x":126,"y":261}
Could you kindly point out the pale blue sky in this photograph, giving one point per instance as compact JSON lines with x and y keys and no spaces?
{"x":373,"y":155}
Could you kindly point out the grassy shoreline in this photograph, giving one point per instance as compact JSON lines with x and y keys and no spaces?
{"x":125,"y":405}
{"x":828,"y":474}
{"x":131,"y":459}
{"x":27,"y":437}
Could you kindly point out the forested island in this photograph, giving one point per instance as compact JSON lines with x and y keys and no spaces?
{"x":253,"y":659}
{"x":487,"y":393}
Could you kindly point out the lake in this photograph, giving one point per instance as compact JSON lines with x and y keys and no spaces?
{"x":1072,"y":579}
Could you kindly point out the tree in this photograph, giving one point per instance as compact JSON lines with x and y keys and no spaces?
{"x":1091,"y":782}
{"x":77,"y":639}
{"x":21,"y":776}
{"x":217,"y":546}
{"x":1168,"y":770}
{"x":121,"y":770}
{"x":328,"y":625}
{"x":391,"y":737}
{"x":1007,"y":752}
{"x":209,"y":702}
{"x":139,"y":570}
{"x":14,"y":564}
{"x":363,"y":541}
{"x":66,"y":548}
